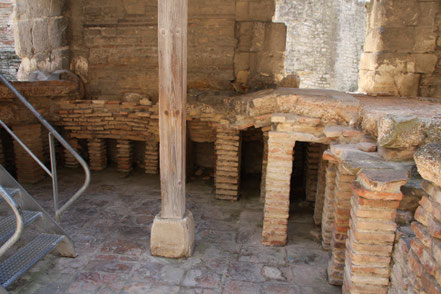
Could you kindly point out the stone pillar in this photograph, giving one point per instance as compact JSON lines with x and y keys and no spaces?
{"x":375,"y":200}
{"x":97,"y":154}
{"x":28,"y":171}
{"x":328,"y":206}
{"x":425,"y":253}
{"x":124,"y":156}
{"x":313,"y":156}
{"x":228,"y":157}
{"x":69,"y":160}
{"x":278,"y":186}
{"x":151,"y":157}
{"x":264,"y":165}
{"x":342,"y":207}
{"x":173,"y":229}
{"x":320,"y":194}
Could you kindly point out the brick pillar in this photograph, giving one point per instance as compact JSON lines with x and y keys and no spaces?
{"x":124,"y":156}
{"x":342,"y":206}
{"x":264,"y":165}
{"x":69,"y":160}
{"x":328,"y":206}
{"x":278,"y":185}
{"x":151,"y":157}
{"x":425,"y":253}
{"x":97,"y":154}
{"x":28,"y":171}
{"x":320,"y":194}
{"x":375,"y":200}
{"x":313,"y":157}
{"x":228,"y":153}
{"x":2,"y":155}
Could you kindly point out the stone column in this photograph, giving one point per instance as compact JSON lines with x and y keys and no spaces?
{"x":69,"y":160}
{"x":28,"y":171}
{"x":320,"y":194}
{"x":151,"y":157}
{"x":97,"y":154}
{"x":228,"y":157}
{"x":173,"y":229}
{"x":124,"y":156}
{"x":264,"y":165}
{"x":425,"y":253}
{"x":278,"y":186}
{"x":375,"y":200}
{"x":328,"y":206}
{"x":342,"y":208}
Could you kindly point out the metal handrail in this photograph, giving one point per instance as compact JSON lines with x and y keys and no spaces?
{"x":19,"y":221}
{"x":52,"y":133}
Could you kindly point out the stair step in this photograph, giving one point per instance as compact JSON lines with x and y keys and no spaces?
{"x":12,"y":192}
{"x":16,"y":265}
{"x":7,"y":224}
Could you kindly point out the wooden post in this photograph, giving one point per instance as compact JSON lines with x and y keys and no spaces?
{"x":172,"y":26}
{"x":172,"y":230}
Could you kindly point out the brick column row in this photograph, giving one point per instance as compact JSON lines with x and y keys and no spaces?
{"x":97,"y":154}
{"x":28,"y":171}
{"x":369,"y":247}
{"x":328,"y":206}
{"x":313,"y":157}
{"x":320,"y":194}
{"x":264,"y":166}
{"x":124,"y":156}
{"x":278,"y":185}
{"x":228,"y":157}
{"x":2,"y":154}
{"x":69,"y":160}
{"x":151,"y":158}
{"x":342,"y":208}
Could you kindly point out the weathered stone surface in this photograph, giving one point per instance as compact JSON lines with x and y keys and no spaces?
{"x":428,"y":160}
{"x":400,"y":132}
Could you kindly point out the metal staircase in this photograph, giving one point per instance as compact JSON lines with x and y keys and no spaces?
{"x":27,"y":232}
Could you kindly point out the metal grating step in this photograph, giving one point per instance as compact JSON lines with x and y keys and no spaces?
{"x":12,"y":192}
{"x":7,"y":224}
{"x":16,"y":265}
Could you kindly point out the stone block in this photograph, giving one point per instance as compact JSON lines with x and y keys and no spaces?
{"x":428,"y":160}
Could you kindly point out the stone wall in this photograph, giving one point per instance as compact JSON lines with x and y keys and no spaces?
{"x":9,"y":61}
{"x":114,"y":46}
{"x":324,"y":42}
{"x":402,"y":49}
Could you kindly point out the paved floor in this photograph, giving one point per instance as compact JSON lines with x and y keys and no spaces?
{"x":111,"y":227}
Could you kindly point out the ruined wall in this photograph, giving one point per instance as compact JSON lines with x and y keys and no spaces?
{"x":403,"y":49}
{"x":325,"y":40}
{"x":40,"y":29}
{"x":9,"y":61}
{"x":114,"y":45}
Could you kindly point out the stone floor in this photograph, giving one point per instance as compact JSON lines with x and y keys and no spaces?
{"x":111,"y":225}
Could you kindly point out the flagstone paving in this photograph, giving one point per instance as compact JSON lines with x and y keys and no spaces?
{"x":111,"y":226}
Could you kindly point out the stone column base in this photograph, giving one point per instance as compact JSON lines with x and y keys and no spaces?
{"x":172,"y":238}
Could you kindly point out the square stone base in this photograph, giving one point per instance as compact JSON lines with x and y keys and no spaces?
{"x":172,"y":238}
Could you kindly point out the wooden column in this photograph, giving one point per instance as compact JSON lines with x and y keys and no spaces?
{"x":173,"y":230}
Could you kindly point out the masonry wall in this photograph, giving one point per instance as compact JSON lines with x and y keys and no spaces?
{"x":9,"y":61}
{"x":114,"y":46}
{"x":324,"y":41}
{"x":403,"y":49}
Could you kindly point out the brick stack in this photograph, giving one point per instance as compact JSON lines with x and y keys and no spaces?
{"x":124,"y":156}
{"x":28,"y":171}
{"x":152,"y":157}
{"x":342,"y":207}
{"x":2,"y":155}
{"x":399,"y":282}
{"x":375,"y":201}
{"x":278,"y":178}
{"x":425,"y":255}
{"x":313,"y":157}
{"x":69,"y":160}
{"x":264,"y":165}
{"x":320,"y":194}
{"x":228,"y":156}
{"x":97,"y":154}
{"x":328,"y":206}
